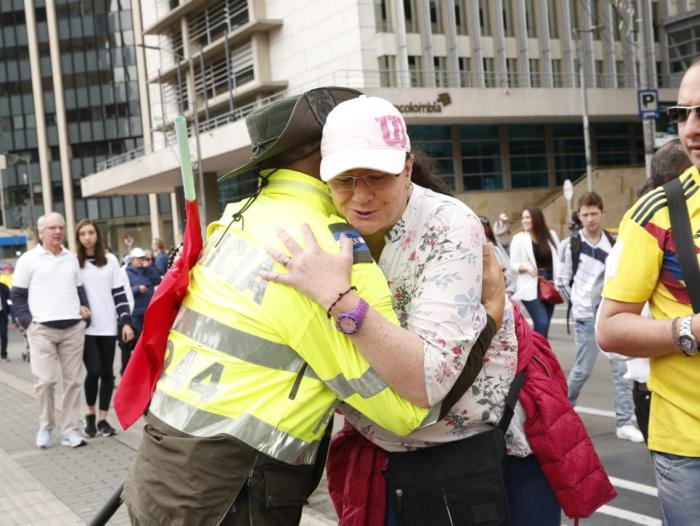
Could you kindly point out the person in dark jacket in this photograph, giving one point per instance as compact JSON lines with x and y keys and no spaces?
{"x":143,"y":280}
{"x":4,"y":317}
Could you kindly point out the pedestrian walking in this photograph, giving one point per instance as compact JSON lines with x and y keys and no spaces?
{"x":143,"y":279}
{"x":501,"y":254}
{"x":649,"y":264}
{"x":534,"y":256}
{"x":582,"y":259}
{"x":501,"y":231}
{"x":160,"y":257}
{"x":110,"y":318}
{"x":4,"y":318}
{"x":50,"y":303}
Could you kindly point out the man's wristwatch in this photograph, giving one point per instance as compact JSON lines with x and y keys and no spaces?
{"x":349,"y":322}
{"x":683,"y":335}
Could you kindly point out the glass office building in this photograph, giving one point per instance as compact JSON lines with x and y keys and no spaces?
{"x":69,"y":99}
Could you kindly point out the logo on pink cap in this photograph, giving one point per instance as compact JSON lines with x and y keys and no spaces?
{"x":393,"y":130}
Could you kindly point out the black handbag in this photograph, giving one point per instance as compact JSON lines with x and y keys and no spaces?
{"x":457,"y":483}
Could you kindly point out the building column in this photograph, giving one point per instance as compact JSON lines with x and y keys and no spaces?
{"x":567,"y":46}
{"x":448,"y":13}
{"x":545,"y":44}
{"x":499,"y":43}
{"x":39,"y":113}
{"x":663,"y":44}
{"x":523,"y":69}
{"x":156,"y":219}
{"x":609,"y":65}
{"x":63,"y":146}
{"x":585,"y":40}
{"x":477,"y":72}
{"x":177,"y":235}
{"x":427,"y":38}
{"x":144,"y":99}
{"x":404,"y":76}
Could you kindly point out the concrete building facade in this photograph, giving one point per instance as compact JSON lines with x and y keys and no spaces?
{"x":489,"y":88}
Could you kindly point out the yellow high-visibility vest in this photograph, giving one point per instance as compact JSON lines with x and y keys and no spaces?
{"x":260,"y":361}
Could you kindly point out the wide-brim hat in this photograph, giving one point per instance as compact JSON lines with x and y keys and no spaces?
{"x":289,"y":123}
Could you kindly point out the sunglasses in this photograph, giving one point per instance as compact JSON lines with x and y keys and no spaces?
{"x":681,"y":113}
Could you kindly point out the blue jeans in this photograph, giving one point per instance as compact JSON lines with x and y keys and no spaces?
{"x":539,"y":311}
{"x":586,"y":353}
{"x":678,"y":483}
{"x":531,"y":499}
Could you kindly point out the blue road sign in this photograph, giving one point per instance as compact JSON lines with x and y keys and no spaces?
{"x":648,"y":103}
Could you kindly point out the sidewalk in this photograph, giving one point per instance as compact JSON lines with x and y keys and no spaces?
{"x":65,"y":486}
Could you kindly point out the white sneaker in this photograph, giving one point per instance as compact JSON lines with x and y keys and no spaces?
{"x":629,"y":432}
{"x":43,"y":438}
{"x":73,"y":440}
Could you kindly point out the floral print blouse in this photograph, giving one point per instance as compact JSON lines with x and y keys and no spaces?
{"x":433,"y":261}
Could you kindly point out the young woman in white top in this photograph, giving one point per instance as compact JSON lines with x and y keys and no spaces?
{"x":533,"y":253}
{"x":104,"y":286}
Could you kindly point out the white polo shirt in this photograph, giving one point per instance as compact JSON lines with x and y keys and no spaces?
{"x":52,"y":282}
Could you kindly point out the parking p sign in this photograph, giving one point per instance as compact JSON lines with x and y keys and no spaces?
{"x":648,"y":102}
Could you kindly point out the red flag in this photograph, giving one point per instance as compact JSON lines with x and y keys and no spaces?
{"x":146,"y":362}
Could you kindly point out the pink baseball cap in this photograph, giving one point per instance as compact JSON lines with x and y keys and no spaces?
{"x":365,"y":132}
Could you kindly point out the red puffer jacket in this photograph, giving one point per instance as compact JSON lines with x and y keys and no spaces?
{"x":556,"y":433}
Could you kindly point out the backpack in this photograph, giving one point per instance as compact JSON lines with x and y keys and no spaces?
{"x":575,"y":246}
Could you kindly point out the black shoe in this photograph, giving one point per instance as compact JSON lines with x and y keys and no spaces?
{"x":90,"y":429}
{"x":105,"y":429}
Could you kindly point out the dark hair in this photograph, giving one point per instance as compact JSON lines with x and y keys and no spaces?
{"x":590,"y":199}
{"x":668,"y":162}
{"x":100,"y":252}
{"x":488,"y":231}
{"x":426,"y":173}
{"x":542,"y":235}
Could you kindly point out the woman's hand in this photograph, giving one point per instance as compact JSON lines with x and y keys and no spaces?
{"x":127,"y":333}
{"x":315,"y":273}
{"x":493,"y":287}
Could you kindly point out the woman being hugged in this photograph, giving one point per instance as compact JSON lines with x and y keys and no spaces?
{"x":110,"y":318}
{"x":533,"y":253}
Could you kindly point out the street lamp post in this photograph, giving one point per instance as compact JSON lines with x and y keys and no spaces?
{"x":198,"y":148}
{"x":584,"y":106}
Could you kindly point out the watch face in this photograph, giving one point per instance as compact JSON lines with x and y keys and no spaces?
{"x":687,"y":344}
{"x":347,"y":325}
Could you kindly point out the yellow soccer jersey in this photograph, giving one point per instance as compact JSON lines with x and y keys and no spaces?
{"x":643,"y":266}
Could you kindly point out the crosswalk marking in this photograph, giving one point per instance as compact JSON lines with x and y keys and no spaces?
{"x":636,"y":518}
{"x":634,"y":486}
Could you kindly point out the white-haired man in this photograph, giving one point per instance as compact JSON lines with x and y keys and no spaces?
{"x":50,"y":303}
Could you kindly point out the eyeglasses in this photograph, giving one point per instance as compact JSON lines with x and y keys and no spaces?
{"x":373,"y":181}
{"x":681,"y":113}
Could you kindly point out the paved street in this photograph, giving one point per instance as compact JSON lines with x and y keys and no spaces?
{"x":64,"y":486}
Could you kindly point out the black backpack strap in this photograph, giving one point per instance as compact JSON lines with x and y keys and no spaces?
{"x":511,"y":401}
{"x":610,"y":237}
{"x":683,"y":238}
{"x":575,"y":245}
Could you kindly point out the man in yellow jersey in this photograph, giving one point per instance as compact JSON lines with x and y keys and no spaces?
{"x":644,"y":266}
{"x":254,"y":370}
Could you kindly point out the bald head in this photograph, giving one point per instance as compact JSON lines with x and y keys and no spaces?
{"x":689,"y":129}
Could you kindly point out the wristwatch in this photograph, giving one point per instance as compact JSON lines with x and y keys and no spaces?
{"x":686,"y":341}
{"x":349,"y":322}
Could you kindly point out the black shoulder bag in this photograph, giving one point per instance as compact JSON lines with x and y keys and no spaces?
{"x":460,"y":482}
{"x":683,"y":238}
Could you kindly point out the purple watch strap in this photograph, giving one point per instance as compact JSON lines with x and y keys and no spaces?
{"x":353,"y":319}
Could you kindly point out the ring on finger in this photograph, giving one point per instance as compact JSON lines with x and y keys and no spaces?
{"x":286,"y":260}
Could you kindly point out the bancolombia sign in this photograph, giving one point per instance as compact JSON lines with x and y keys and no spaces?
{"x":443,"y":99}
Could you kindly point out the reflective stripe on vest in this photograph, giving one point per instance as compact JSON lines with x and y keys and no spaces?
{"x":247,"y":428}
{"x":252,"y":349}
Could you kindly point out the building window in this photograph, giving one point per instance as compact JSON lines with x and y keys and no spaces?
{"x":216,"y":19}
{"x":569,"y":151}
{"x":553,"y":18}
{"x":465,"y":74}
{"x":436,"y":142}
{"x":528,"y":155}
{"x":530,"y":16}
{"x":480,"y":153}
{"x":485,"y":17}
{"x":512,"y":72}
{"x":441,"y":74}
{"x":436,"y":24}
{"x":612,"y":143}
{"x":387,"y":71}
{"x":535,"y":75}
{"x":415,"y":70}
{"x":461,"y":17}
{"x":683,"y":45}
{"x":411,"y":15}
{"x":508,"y":23}
{"x":381,"y":16}
{"x":489,"y":73}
